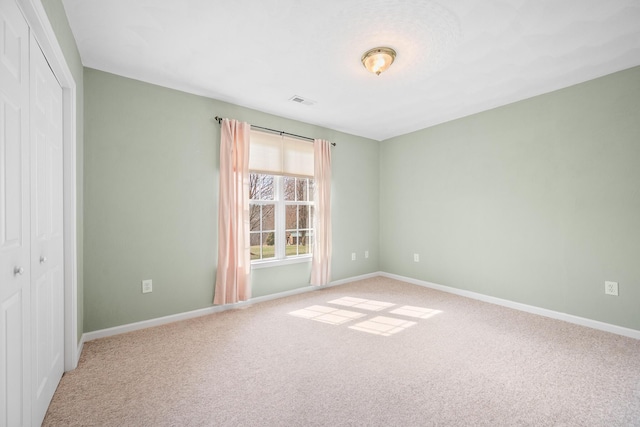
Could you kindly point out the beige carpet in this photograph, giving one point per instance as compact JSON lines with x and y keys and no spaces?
{"x":372,"y":353}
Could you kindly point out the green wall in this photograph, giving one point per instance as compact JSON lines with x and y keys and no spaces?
{"x":150,"y":199}
{"x":536,"y":202}
{"x":58,"y":19}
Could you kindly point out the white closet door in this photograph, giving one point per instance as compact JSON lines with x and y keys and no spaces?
{"x":15,"y":365}
{"x":47,"y":275}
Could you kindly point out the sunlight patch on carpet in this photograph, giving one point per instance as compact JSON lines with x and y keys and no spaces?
{"x":417,"y":312}
{"x":382,"y":325}
{"x":364,"y":304}
{"x":320,"y":313}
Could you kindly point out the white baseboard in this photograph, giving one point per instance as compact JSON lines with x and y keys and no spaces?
{"x":116,"y":330}
{"x":354,"y":279}
{"x":594,"y":324}
{"x":130,"y":327}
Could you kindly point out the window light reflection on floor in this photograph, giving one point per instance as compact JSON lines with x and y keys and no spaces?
{"x":418,"y":312}
{"x":320,"y":313}
{"x":381,"y":325}
{"x":364,"y":304}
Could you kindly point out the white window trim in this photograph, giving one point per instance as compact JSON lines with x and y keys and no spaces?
{"x":262,"y":263}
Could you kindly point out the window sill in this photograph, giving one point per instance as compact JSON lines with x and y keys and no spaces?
{"x":278,"y":262}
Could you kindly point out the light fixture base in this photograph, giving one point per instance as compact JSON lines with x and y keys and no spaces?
{"x":378,"y":59}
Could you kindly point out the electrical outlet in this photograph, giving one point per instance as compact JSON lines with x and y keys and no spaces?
{"x":366,"y":254}
{"x":611,"y":288}
{"x":416,"y":257}
{"x":353,"y":256}
{"x":147,"y":286}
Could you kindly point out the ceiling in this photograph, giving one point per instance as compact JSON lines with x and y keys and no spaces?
{"x":454,"y":58}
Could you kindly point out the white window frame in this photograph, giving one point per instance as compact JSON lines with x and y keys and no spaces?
{"x":280,"y":258}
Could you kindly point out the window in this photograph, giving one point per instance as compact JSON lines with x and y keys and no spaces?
{"x":262,"y":212}
{"x":280,"y":199}
{"x":281,"y":217}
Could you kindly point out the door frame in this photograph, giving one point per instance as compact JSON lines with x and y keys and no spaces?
{"x":43,"y":33}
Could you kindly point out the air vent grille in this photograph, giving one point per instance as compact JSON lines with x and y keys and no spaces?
{"x":301,"y":100}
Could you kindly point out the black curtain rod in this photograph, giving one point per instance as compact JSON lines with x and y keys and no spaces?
{"x":219,"y":120}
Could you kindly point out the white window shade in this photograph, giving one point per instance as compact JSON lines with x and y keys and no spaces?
{"x":280,"y":155}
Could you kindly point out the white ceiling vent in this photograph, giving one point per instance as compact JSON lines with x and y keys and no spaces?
{"x":300,"y":100}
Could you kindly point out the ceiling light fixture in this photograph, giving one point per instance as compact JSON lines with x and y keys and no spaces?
{"x":378,"y":59}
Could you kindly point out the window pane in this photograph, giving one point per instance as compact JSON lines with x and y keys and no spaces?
{"x":291,"y":217}
{"x":311,"y":189}
{"x":305,"y":243}
{"x":254,"y":218}
{"x":289,"y":188}
{"x":261,"y":187}
{"x":311,"y":216}
{"x":262,"y":245}
{"x":255,"y":245}
{"x":268,"y":245}
{"x":292,"y":249}
{"x":302,"y":189}
{"x":268,"y":217}
{"x":303,"y":217}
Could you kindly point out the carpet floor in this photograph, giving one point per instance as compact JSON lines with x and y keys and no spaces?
{"x":376,"y":352}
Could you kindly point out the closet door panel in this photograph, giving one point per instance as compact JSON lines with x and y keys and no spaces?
{"x":47,"y":291}
{"x":15,"y":341}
